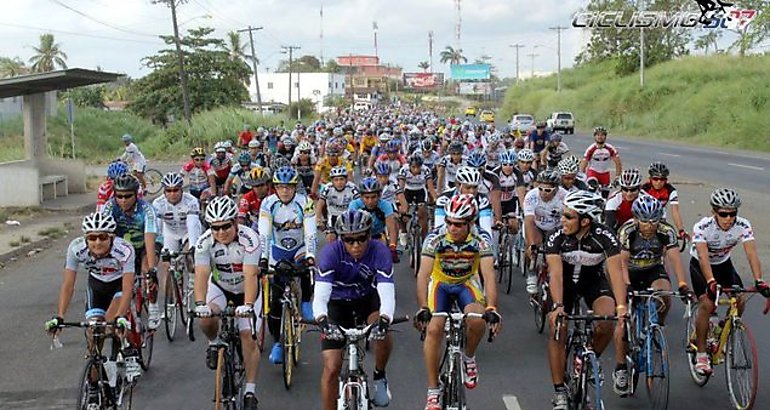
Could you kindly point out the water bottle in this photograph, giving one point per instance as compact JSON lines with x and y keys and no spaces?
{"x":111,"y":368}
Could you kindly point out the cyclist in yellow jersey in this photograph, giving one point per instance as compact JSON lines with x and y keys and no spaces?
{"x":323,"y":168}
{"x":452,"y":259}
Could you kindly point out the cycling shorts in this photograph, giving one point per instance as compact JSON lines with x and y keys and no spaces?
{"x":172,"y":241}
{"x":591,"y":285}
{"x":100,"y":294}
{"x":348,"y":314}
{"x":642,"y":279}
{"x":724,"y":273}
{"x":602,"y":177}
{"x":417,"y":196}
{"x":441,"y":294}
{"x":219,"y":298}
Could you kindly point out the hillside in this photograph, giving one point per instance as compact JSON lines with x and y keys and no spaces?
{"x":711,"y":100}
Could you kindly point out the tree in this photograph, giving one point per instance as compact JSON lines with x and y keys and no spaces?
{"x":11,"y":67}
{"x":304,"y":64}
{"x":49,"y":55}
{"x":757,"y":30}
{"x":452,"y":56}
{"x":88,"y":96}
{"x":705,"y":42}
{"x":214,"y":79}
{"x":235,"y":48}
{"x":424,"y":65}
{"x":332,"y":66}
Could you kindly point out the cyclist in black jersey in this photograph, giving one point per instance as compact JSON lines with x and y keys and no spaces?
{"x":575,"y":254}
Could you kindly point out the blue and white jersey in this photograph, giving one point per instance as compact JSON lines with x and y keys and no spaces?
{"x":119,"y":260}
{"x":287,"y":227}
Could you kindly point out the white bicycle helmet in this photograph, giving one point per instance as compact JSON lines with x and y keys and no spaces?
{"x":221,"y":209}
{"x":98,"y":222}
{"x":220,"y":147}
{"x":567,"y":167}
{"x":725,"y":198}
{"x":254,"y":144}
{"x":304,"y":146}
{"x":461,"y":206}
{"x":468,"y":176}
{"x":585,"y":203}
{"x":630,"y":178}
{"x":338,"y":171}
{"x":526,"y":155}
{"x":172,"y":179}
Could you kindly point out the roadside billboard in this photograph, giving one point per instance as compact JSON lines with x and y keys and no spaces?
{"x":475,"y":88}
{"x":423,"y":81}
{"x":470,"y":71}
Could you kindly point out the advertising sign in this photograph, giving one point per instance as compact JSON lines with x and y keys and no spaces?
{"x":423,"y":81}
{"x":470,"y":71}
{"x":479,"y":88}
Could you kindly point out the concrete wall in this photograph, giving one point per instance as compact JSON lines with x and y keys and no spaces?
{"x":19,"y":184}
{"x":75,"y":170}
{"x":274,"y":87}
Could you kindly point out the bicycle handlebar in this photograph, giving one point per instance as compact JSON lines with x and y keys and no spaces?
{"x":588,"y":318}
{"x":456,"y":316}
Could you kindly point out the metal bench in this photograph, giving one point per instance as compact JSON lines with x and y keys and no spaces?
{"x":53,"y":186}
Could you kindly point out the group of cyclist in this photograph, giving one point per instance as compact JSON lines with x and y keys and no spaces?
{"x":359,"y":178}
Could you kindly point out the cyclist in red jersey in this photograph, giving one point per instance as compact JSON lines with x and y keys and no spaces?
{"x":248,"y":207}
{"x":618,"y":208}
{"x":596,"y":161}
{"x":659,"y":188}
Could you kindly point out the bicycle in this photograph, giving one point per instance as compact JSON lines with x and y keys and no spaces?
{"x":541,"y":301}
{"x":414,"y":238}
{"x":291,"y":325}
{"x":451,"y":373}
{"x":179,"y":294}
{"x":114,"y":385}
{"x":729,"y":341}
{"x":152,"y":178}
{"x":140,"y":335}
{"x":508,"y":255}
{"x":353,"y":391}
{"x":583,"y":365}
{"x":230,"y":371}
{"x":647,"y":345}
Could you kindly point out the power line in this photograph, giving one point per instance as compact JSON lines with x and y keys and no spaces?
{"x":221,"y":16}
{"x":72,"y":33}
{"x":114,"y":27}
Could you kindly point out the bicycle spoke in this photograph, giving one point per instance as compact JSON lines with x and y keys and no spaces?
{"x":740,"y":366}
{"x":657,"y":370}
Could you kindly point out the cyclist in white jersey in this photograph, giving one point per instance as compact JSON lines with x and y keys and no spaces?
{"x":596,"y":160}
{"x":713,"y":240}
{"x":509,"y":203}
{"x":333,"y":199}
{"x":178,"y":213}
{"x":448,"y":165}
{"x":493,"y":150}
{"x":542,"y":213}
{"x":525,"y":174}
{"x":391,"y":191}
{"x":226,"y":270}
{"x":416,"y":180}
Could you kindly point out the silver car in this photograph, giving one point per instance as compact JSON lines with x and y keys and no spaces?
{"x":522,"y":122}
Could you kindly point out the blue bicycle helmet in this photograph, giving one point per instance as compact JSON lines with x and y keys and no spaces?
{"x":393,"y":146}
{"x":285,"y":175}
{"x":370,"y":185}
{"x":508,"y":158}
{"x":353,"y":221}
{"x":244,"y":158}
{"x":116,"y":169}
{"x":477,"y":159}
{"x":381,"y":168}
{"x":646,"y":208}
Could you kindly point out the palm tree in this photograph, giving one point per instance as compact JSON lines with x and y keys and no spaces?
{"x":452,"y":56}
{"x":424,"y":66}
{"x":11,"y":67}
{"x":235,"y":47}
{"x":49,"y":55}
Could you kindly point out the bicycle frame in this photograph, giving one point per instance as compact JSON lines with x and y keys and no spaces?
{"x":450,"y":379}
{"x":731,"y":318}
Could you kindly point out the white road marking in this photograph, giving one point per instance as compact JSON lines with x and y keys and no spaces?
{"x":746,"y":166}
{"x":511,"y":402}
{"x":669,"y":155}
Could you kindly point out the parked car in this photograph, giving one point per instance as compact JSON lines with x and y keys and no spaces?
{"x":523,"y":123}
{"x":470,"y":111}
{"x":563,"y":121}
{"x":487,"y":116}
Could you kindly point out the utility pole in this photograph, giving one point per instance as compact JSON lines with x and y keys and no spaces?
{"x":458,"y":24}
{"x":533,"y":55}
{"x":430,"y":49}
{"x":322,"y":33}
{"x":290,"y":50}
{"x":641,"y":57}
{"x":375,"y":28}
{"x":558,"y":55}
{"x":254,"y":62}
{"x":180,"y":60}
{"x":517,"y":47}
{"x":352,"y":83}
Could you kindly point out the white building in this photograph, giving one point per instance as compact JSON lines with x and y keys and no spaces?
{"x":316,"y":87}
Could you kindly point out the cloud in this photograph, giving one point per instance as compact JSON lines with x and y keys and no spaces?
{"x":125,"y":34}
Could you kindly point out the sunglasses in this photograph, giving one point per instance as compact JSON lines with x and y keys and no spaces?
{"x":546,"y":190}
{"x":172,"y":190}
{"x":199,"y":159}
{"x":659,"y":178}
{"x":629,"y":189}
{"x":305,"y":152}
{"x":457,"y":224}
{"x":258,"y":185}
{"x":525,"y":162}
{"x":723,"y":214}
{"x":102,"y":237}
{"x":124,"y":196}
{"x":568,"y":177}
{"x":649,"y":221}
{"x":355,"y":240}
{"x":223,"y":227}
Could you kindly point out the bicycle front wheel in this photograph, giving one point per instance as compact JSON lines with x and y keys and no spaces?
{"x":416,"y":248}
{"x":221,"y":380}
{"x":287,"y":341}
{"x":593,"y":396}
{"x":691,"y":350}
{"x":741,"y":366}
{"x":153,"y":177}
{"x":657,"y":369}
{"x":170,"y":303}
{"x":148,"y":337}
{"x":92,"y":369}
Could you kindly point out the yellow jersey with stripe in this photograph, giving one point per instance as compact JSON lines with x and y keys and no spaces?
{"x":455,"y":262}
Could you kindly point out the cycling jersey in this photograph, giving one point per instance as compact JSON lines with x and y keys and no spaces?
{"x":379,"y":214}
{"x":133,"y":227}
{"x":554,"y":154}
{"x":325,"y":166}
{"x":450,"y":170}
{"x":483,"y":218}
{"x":599,"y":157}
{"x":220,"y":168}
{"x":646,"y":253}
{"x":577,"y":185}
{"x":287,"y":231}
{"x":455,"y":262}
{"x":508,"y":185}
{"x":389,"y":193}
{"x":105,"y":191}
{"x":547,"y":215}
{"x":414,"y":182}
{"x":197,"y":176}
{"x":178,"y":220}
{"x":493,"y":156}
{"x":243,"y":174}
{"x":119,"y":260}
{"x":337,"y":201}
{"x":394,"y":164}
{"x":666,"y":195}
{"x":489,"y":182}
{"x":367,"y":144}
{"x":350,"y":279}
{"x":525,"y":179}
{"x":134,"y":157}
{"x":720,"y":243}
{"x":430,"y":161}
{"x":621,"y":209}
{"x":539,"y":141}
{"x":226,"y":261}
{"x":586,"y":255}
